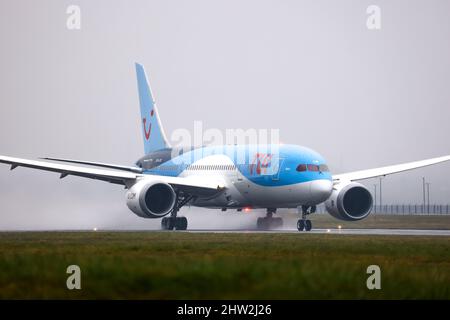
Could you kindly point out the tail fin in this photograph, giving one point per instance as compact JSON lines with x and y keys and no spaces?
{"x":153,"y":133}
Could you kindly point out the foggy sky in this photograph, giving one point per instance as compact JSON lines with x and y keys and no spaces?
{"x":312,"y":69}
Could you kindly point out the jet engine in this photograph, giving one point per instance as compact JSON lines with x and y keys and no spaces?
{"x":151,"y":199}
{"x":349,"y":201}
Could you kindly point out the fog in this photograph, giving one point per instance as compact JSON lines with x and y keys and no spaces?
{"x":312,"y":69}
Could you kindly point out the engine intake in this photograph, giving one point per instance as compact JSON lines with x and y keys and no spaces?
{"x":151,"y":199}
{"x":349,"y":201}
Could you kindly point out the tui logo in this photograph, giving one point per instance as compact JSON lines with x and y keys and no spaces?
{"x":144,"y":121}
{"x":261,"y":161}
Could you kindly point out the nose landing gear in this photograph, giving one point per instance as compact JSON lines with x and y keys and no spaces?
{"x":303,"y":223}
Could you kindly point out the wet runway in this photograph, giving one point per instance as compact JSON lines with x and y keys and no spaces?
{"x":375,"y":232}
{"x":399,"y":232}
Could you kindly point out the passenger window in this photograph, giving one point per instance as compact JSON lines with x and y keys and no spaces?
{"x":301,"y":167}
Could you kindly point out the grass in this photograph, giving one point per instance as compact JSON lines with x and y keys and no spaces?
{"x":175,"y":265}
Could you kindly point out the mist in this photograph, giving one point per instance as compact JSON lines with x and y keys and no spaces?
{"x":361,"y":98}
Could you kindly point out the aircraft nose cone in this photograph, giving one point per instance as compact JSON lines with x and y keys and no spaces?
{"x":320,"y":190}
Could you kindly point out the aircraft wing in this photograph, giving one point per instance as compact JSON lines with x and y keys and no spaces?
{"x":383,"y":171}
{"x":192,"y":186}
{"x":97,"y":164}
{"x":113,"y":176}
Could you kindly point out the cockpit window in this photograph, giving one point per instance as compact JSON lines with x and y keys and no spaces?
{"x":313,"y":167}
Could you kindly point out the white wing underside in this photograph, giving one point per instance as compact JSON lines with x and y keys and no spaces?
{"x":383,"y":171}
{"x":192,"y":186}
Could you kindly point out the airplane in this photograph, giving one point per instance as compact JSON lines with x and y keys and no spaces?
{"x":267,"y":177}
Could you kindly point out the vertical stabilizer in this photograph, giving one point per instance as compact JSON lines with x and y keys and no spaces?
{"x":152,"y":130}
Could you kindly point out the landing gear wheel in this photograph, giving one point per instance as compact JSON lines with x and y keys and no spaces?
{"x":261,"y":224}
{"x":277,"y":223}
{"x":303,"y":224}
{"x":300,"y":225}
{"x":167,"y":223}
{"x":267,"y":223}
{"x":177,"y":223}
{"x":308,"y":225}
{"x":172,"y":221}
{"x":181,"y":223}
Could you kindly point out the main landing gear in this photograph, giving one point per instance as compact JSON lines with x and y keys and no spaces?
{"x":174,"y":222}
{"x":269,"y":222}
{"x":177,"y":223}
{"x":303,"y":223}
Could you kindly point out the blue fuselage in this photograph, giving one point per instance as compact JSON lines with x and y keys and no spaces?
{"x":255,"y":175}
{"x":265,"y":165}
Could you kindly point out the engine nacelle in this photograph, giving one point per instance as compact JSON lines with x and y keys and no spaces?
{"x":349,"y":201}
{"x":151,"y":199}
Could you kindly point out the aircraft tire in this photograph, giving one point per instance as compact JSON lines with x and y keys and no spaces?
{"x":277,"y":223}
{"x":308,"y":225}
{"x":164,"y":223}
{"x":168,"y":223}
{"x":262,"y":223}
{"x":300,"y":225}
{"x":181,"y":223}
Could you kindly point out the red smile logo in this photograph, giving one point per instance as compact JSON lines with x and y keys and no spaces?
{"x":147,"y":133}
{"x":262,"y":161}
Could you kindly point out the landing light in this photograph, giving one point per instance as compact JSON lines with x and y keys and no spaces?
{"x":328,"y":230}
{"x":339,"y":227}
{"x":247,"y":209}
{"x":95,"y":229}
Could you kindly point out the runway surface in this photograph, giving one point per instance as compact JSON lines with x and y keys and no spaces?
{"x":404,"y":232}
{"x":375,"y":232}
